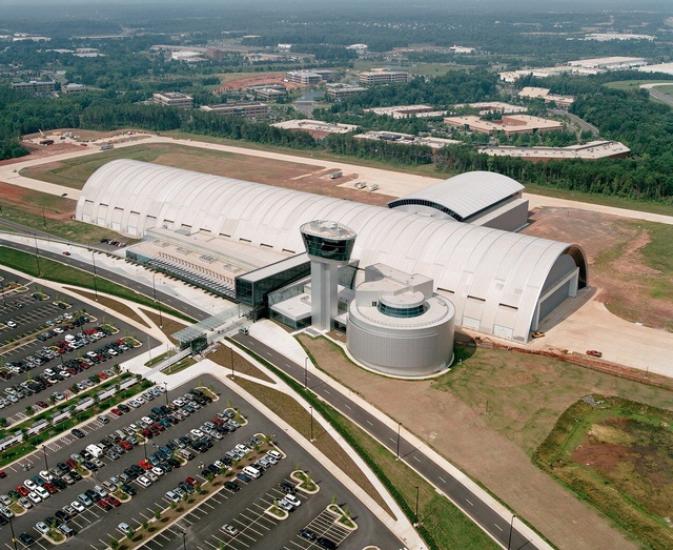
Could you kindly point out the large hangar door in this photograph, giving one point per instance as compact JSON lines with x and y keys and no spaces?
{"x":561,"y":283}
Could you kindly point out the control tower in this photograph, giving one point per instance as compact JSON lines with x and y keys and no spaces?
{"x":328,"y":245}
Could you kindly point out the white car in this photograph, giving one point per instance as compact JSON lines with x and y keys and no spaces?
{"x":230,"y":529}
{"x":30,"y":484}
{"x":11,"y":324}
{"x":292,"y":499}
{"x":196,"y":433}
{"x":275,"y":454}
{"x":158,"y":471}
{"x":144,"y":481}
{"x":47,"y":476}
{"x":44,"y":494}
{"x":34,"y":497}
{"x":170,"y":495}
{"x":152,"y":476}
{"x":125,"y":528}
{"x":41,"y":527}
{"x":77,"y":506}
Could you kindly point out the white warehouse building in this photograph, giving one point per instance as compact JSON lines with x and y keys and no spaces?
{"x":499,"y":282}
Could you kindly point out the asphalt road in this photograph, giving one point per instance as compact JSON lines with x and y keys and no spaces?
{"x":661,"y":96}
{"x":478,"y":510}
{"x":166,"y":299}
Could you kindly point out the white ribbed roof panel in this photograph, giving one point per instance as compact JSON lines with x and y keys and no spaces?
{"x":465,"y":194}
{"x":493,"y":267}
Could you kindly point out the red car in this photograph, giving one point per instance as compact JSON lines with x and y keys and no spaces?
{"x":51,"y":488}
{"x":23,"y":491}
{"x":191,"y":481}
{"x":114,"y":501}
{"x":125,"y":445}
{"x":104,"y":504}
{"x":145,"y":464}
{"x":116,"y":412}
{"x":3,"y":474}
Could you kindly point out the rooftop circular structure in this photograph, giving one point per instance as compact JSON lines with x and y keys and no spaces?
{"x":328,"y":240}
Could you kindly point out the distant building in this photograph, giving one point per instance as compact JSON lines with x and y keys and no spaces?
{"x":306,"y":78}
{"x":462,"y":49}
{"x":666,"y":68}
{"x":359,"y":49}
{"x":268,"y":91}
{"x":244,"y":109}
{"x":173,"y":99}
{"x":594,"y":150}
{"x":35,"y":87}
{"x":339,"y":90}
{"x":407,"y":111}
{"x":534,"y":92}
{"x":490,"y":107}
{"x":382,"y":76}
{"x":615,"y":63}
{"x":316,"y":128}
{"x":284,"y":47}
{"x":88,"y":52}
{"x":406,"y":139}
{"x":509,"y":124}
{"x":608,"y":36}
{"x":188,"y":56}
{"x":73,"y":88}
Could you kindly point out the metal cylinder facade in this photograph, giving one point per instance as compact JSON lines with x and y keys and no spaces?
{"x":408,"y":347}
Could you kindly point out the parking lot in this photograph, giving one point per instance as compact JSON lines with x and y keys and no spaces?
{"x":52,"y":345}
{"x":242,"y":507}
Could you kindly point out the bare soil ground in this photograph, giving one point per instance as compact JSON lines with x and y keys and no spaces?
{"x":170,"y":326}
{"x":258,"y":79}
{"x":522,"y":406}
{"x":222,"y":356}
{"x":294,"y":175}
{"x":36,"y":203}
{"x":627,"y":282}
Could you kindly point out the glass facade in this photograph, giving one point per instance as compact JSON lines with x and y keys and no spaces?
{"x":331,"y":249}
{"x":254,"y":292}
{"x":401,"y":311}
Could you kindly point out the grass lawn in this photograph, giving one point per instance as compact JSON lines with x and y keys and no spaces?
{"x":120,"y":308}
{"x":61,"y":273}
{"x":522,"y":396}
{"x":616,"y":454}
{"x":180,"y":365}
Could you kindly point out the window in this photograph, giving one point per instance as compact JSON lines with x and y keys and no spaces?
{"x":401,"y":311}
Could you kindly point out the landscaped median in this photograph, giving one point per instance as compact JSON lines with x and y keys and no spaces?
{"x":62,"y":273}
{"x":70,"y":413}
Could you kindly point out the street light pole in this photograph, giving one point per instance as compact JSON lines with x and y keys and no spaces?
{"x":44,"y":452}
{"x":184,"y":540}
{"x":311,"y":431}
{"x":11,"y":528}
{"x":306,"y":372}
{"x":166,"y":392}
{"x":418,"y":520}
{"x":398,"y":440}
{"x":37,"y":256}
{"x":95,"y":283}
{"x":231,"y":359}
{"x":145,"y":446}
{"x":156,"y":304}
{"x":511,"y":527}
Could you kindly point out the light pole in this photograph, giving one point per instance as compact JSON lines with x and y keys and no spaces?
{"x":311,"y":429}
{"x":37,"y":256}
{"x":145,"y":446}
{"x":11,"y":528}
{"x":166,"y":392}
{"x":511,"y":527}
{"x":231,"y":359}
{"x":95,"y":283}
{"x":156,"y":304}
{"x":306,"y":372}
{"x":418,"y":520}
{"x":399,"y":425}
{"x":184,"y":540}
{"x":44,"y":453}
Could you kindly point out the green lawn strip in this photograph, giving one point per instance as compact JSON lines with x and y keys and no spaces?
{"x":61,"y":273}
{"x":554,"y":456}
{"x":31,"y":444}
{"x":449,"y":528}
{"x":180,"y":365}
{"x":159,"y":358}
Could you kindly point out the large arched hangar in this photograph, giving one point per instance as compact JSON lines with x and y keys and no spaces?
{"x":500,"y":283}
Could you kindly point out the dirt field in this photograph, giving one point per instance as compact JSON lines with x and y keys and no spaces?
{"x":627,"y":260}
{"x":36,"y":203}
{"x":112,"y":304}
{"x":494,"y":448}
{"x":255,"y":79}
{"x":616,"y":454}
{"x":295,"y":175}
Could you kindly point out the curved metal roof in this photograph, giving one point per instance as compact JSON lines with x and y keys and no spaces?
{"x":464,"y":195}
{"x":494,"y":278}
